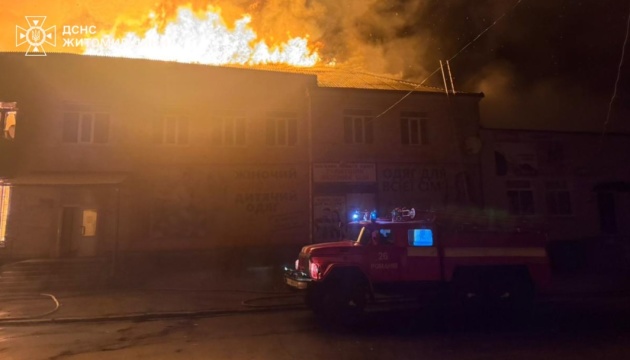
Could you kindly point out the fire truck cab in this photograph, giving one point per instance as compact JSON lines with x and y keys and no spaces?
{"x":403,"y":255}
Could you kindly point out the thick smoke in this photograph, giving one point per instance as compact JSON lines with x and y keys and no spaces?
{"x":373,"y":35}
{"x":545,"y":64}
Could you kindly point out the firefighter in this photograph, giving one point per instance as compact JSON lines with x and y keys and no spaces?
{"x":375,"y":237}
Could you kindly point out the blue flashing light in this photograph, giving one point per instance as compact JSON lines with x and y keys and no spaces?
{"x":355,"y":216}
{"x":420,"y":237}
{"x":373,"y":215}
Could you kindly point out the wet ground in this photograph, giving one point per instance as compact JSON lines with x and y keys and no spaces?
{"x":569,"y":328}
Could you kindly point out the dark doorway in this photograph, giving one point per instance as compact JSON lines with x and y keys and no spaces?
{"x":607,"y":213}
{"x":66,"y":238}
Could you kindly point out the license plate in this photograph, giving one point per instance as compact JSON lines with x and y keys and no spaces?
{"x":293,"y":283}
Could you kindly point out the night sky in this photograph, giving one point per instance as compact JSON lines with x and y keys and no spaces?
{"x":545,"y":65}
{"x":554,"y":63}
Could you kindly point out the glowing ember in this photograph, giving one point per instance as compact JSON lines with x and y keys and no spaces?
{"x":205,"y":40}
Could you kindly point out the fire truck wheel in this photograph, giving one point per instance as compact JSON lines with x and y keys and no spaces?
{"x":357,"y":296}
{"x":338,"y":299}
{"x":465,"y":290}
{"x":501,"y":290}
{"x":314,"y":297}
{"x":509,"y":290}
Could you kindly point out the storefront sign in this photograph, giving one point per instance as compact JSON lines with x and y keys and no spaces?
{"x":344,"y":172}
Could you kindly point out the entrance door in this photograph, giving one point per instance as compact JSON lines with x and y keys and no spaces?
{"x":87,"y":243}
{"x":78,"y":232}
{"x":69,"y":231}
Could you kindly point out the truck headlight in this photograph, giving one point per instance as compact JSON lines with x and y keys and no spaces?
{"x":314,"y":269}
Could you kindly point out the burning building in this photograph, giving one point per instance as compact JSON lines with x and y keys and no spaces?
{"x":123,"y":156}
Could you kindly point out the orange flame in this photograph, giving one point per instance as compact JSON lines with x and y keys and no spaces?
{"x":205,"y":39}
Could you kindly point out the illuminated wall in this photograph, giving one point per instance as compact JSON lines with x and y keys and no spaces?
{"x":219,"y":157}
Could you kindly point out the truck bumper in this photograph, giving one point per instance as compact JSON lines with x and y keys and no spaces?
{"x":296,"y":279}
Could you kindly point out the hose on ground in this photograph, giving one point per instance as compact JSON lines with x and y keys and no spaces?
{"x":26,"y":297}
{"x":249,"y":304}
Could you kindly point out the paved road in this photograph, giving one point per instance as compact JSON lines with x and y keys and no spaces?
{"x":577,"y":329}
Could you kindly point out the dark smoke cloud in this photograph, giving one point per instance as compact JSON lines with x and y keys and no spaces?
{"x":547,"y":64}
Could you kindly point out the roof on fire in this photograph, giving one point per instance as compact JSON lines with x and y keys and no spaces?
{"x":338,"y":76}
{"x":341,"y":76}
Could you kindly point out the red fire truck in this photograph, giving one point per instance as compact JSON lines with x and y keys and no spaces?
{"x":418,"y":257}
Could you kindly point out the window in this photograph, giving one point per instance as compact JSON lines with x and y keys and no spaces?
{"x":89,"y":222}
{"x":364,"y":237}
{"x":358,"y":127}
{"x":5,"y":195}
{"x":85,"y":127}
{"x":520,"y":197}
{"x":420,"y":237}
{"x":171,"y":130}
{"x":7,"y":120}
{"x":354,"y":233}
{"x":281,"y":129}
{"x":558,"y":198}
{"x":413,"y":128}
{"x":385,"y":236}
{"x":228,"y":131}
{"x":555,"y":154}
{"x":500,"y":164}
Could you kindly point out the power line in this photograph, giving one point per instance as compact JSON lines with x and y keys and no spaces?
{"x":600,"y":145}
{"x":614,"y":94}
{"x":452,"y":57}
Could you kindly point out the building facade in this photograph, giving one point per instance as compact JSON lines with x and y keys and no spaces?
{"x":117,"y":156}
{"x":412,"y":155}
{"x":574,"y":185}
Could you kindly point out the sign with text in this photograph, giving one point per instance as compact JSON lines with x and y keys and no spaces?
{"x":344,"y":172}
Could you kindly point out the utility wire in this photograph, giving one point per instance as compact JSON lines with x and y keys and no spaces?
{"x":452,"y":57}
{"x":614,"y":94}
{"x":600,"y":146}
